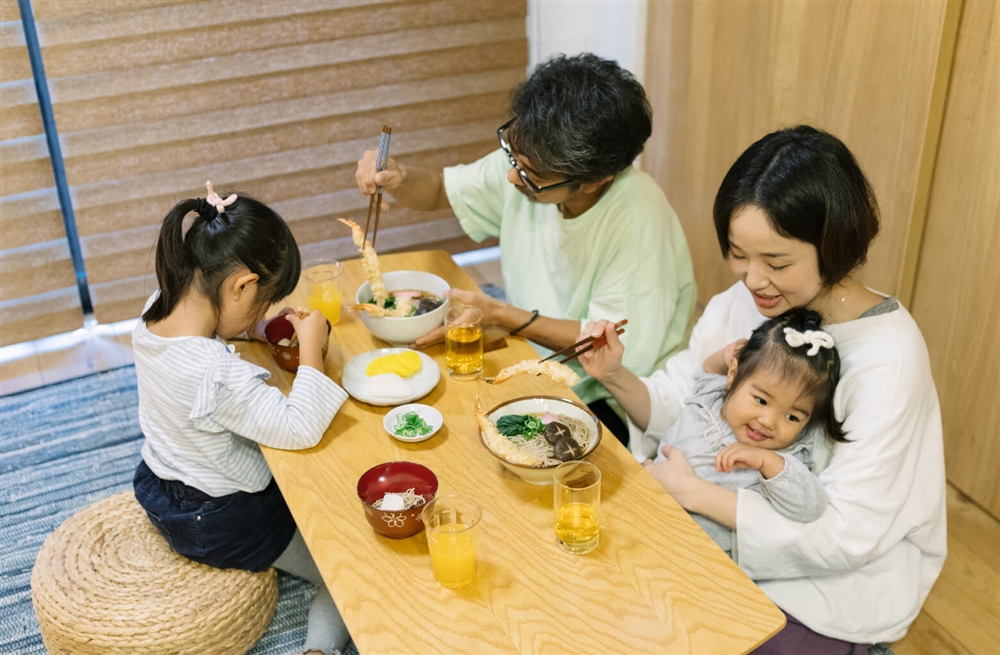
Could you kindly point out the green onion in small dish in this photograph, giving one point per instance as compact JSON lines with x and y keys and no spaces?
{"x":412,"y":423}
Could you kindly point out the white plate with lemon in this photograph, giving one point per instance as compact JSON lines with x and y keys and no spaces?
{"x":390,"y":376}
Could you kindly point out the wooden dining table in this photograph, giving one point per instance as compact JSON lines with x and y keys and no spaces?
{"x":655,"y":584}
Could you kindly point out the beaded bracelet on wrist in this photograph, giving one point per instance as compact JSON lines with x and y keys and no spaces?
{"x":534,"y":315}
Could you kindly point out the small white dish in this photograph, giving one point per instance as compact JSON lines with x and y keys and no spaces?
{"x":430,"y":416}
{"x":356,"y":382}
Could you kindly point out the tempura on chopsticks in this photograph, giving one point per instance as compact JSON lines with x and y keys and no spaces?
{"x":397,"y":304}
{"x":555,"y":370}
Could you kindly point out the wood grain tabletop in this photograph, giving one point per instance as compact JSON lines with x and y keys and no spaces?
{"x":656,"y":583}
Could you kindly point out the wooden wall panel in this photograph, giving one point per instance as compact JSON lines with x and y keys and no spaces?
{"x":958,"y":275}
{"x":278,"y":100}
{"x":722,"y":74}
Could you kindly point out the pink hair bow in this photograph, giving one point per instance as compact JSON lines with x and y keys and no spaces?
{"x":216,"y":200}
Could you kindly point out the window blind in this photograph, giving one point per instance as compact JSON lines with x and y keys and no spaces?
{"x":275,"y":99}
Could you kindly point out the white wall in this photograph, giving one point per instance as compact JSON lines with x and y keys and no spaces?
{"x":613,"y":29}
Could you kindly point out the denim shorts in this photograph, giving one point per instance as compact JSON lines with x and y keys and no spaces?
{"x":240,"y":531}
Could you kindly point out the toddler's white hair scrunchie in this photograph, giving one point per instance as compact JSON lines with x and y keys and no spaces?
{"x":815,"y":338}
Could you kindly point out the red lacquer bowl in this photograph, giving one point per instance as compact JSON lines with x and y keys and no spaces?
{"x":287,"y":357}
{"x":396,"y":477}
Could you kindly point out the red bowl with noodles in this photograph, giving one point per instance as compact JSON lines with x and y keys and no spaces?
{"x":396,"y":478}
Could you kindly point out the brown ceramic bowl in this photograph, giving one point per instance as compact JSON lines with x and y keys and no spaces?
{"x":287,"y":357}
{"x":396,"y":477}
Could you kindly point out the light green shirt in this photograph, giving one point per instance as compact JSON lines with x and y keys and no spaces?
{"x":625,"y":257}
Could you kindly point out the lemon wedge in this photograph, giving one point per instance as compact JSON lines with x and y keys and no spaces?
{"x":403,"y":364}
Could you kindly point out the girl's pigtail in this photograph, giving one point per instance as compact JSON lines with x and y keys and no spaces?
{"x":804,"y":328}
{"x":834,"y":428}
{"x":226,"y":235}
{"x":174,"y":268}
{"x":811,"y":320}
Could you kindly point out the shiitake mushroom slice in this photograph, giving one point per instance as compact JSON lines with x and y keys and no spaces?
{"x":567,"y":449}
{"x":555,"y":431}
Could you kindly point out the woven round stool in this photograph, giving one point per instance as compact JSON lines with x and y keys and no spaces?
{"x":106,"y":582}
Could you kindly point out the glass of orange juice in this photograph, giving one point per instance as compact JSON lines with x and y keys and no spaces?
{"x":323,"y":287}
{"x":577,"y":502}
{"x":452,"y":524}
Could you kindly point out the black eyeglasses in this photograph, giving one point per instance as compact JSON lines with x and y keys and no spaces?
{"x":534,"y":188}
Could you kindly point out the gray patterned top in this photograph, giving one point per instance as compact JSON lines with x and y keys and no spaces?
{"x":700,"y":433}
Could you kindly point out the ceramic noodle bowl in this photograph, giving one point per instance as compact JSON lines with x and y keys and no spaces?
{"x":404,"y":331}
{"x":396,"y":477}
{"x":529,"y":405}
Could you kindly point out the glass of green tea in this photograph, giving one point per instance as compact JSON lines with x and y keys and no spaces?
{"x":577,"y":502}
{"x":464,"y":342}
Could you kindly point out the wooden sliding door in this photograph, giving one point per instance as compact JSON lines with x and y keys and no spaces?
{"x":913,"y":88}
{"x":723,"y":74}
{"x":957,"y":295}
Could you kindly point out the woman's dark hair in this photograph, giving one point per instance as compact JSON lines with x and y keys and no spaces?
{"x":818,"y":374}
{"x":812,"y":189}
{"x":248,"y":234}
{"x":583,"y":117}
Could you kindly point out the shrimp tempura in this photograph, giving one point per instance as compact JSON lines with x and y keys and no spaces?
{"x":555,"y":370}
{"x":500,"y":445}
{"x":370,"y":262}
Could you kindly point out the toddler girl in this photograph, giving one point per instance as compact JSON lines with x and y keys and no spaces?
{"x":741,"y":426}
{"x":203,"y":480}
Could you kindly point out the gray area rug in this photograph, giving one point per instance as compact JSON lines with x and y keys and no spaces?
{"x":63,"y":447}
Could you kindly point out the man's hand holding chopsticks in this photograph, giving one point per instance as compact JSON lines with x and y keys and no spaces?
{"x":412,"y":187}
{"x":369,"y":179}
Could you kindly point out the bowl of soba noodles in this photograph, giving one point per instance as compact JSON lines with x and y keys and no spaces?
{"x":531,"y":436}
{"x":415,"y":306}
{"x":393,"y":495}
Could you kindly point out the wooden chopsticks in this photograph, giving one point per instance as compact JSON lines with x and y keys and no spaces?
{"x":589,"y":343}
{"x":381,"y":161}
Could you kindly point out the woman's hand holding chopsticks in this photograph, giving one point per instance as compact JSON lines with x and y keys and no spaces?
{"x":604,"y":361}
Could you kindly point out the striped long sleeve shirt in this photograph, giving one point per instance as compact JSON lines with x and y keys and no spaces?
{"x":204,"y":411}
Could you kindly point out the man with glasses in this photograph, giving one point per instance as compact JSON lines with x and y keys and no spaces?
{"x":583,"y":234}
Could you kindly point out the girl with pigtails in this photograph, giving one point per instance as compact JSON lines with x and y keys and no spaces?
{"x":794,"y":217}
{"x":204,"y":411}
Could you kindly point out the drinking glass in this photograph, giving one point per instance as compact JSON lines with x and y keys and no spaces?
{"x":464,"y":342}
{"x":452,"y":524}
{"x":577,"y":501}
{"x":323,"y":287}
